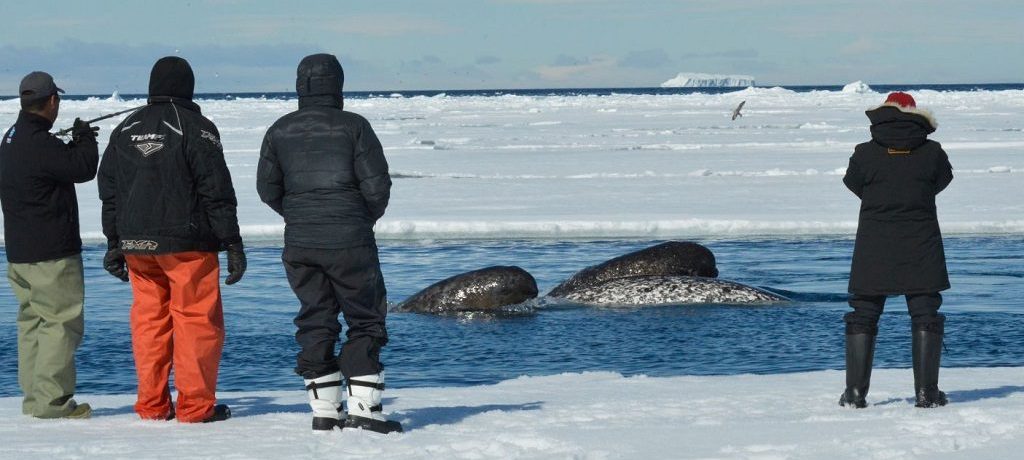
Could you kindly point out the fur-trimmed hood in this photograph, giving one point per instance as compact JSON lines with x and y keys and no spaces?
{"x":924,"y":113}
{"x":900,"y":127}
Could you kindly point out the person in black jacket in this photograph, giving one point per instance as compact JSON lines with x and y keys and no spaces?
{"x":38,"y":173}
{"x":168,"y":208}
{"x":898,"y":250}
{"x":324,"y":170}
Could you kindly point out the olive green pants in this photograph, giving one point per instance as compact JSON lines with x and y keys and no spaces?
{"x":51,"y":298}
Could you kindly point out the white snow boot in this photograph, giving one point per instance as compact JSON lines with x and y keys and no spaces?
{"x":364,"y":407}
{"x":325,"y":400}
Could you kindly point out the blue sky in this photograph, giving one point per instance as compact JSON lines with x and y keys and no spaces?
{"x":235,"y":45}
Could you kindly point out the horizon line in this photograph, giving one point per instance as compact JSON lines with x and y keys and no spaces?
{"x":554,"y":88}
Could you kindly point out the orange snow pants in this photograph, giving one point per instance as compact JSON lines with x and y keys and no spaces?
{"x":177,"y":322}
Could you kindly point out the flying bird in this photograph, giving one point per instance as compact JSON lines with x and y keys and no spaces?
{"x":736,"y":111}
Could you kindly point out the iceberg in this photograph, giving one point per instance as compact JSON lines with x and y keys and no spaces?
{"x":705,"y":80}
{"x":857,"y":87}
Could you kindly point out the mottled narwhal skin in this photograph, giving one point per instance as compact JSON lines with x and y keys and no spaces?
{"x":487,"y":289}
{"x":679,"y":258}
{"x":676,"y":272}
{"x":670,"y":289}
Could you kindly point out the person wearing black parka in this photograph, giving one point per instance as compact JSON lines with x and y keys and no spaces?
{"x":898,"y":250}
{"x":323,"y":170}
{"x":38,"y":173}
{"x":169,"y":207}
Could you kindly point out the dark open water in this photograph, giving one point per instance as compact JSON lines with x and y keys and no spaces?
{"x":984,"y":326}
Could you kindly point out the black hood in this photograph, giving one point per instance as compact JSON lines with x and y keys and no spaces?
{"x":172,"y":77}
{"x":319,"y":75}
{"x":319,"y":80}
{"x":893,"y":128}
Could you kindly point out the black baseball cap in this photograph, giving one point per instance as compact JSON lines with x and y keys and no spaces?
{"x":38,"y":85}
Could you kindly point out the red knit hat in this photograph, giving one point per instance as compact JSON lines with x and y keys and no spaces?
{"x":901,"y":99}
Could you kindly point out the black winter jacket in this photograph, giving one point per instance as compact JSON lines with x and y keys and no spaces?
{"x":897,"y":176}
{"x":164,"y":182}
{"x":38,"y":173}
{"x":323,"y":168}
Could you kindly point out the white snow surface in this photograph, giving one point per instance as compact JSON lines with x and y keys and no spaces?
{"x":707,"y":80}
{"x":622,"y":165}
{"x":574,"y":416}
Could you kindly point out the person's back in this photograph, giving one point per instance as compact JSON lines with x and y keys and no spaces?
{"x":897,"y":176}
{"x":903,"y":186}
{"x":329,"y":159}
{"x":161,"y":195}
{"x":900,"y":171}
{"x":38,"y":174}
{"x":323,"y":169}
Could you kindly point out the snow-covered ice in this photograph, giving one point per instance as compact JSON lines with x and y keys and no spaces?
{"x":581,"y":416}
{"x":623,"y":165}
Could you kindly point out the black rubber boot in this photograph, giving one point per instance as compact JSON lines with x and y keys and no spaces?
{"x":221,"y":412}
{"x":927,"y":354}
{"x":860,"y":352}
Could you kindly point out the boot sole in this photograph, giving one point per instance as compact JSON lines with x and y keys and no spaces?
{"x":377,"y":426}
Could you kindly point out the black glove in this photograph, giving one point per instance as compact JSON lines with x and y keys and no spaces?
{"x":113,"y":261}
{"x":81,"y":130}
{"x":236,"y":263}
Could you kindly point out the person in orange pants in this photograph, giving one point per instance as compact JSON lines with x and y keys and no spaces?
{"x":168,"y":208}
{"x":177,"y":321}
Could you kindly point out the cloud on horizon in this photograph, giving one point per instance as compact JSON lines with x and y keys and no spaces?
{"x":567,"y":68}
{"x":646,"y":59}
{"x":100,"y":68}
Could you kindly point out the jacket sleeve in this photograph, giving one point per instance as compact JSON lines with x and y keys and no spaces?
{"x":213,"y":182}
{"x":269,"y":177}
{"x":944,"y":172}
{"x":75,"y":162}
{"x":106,"y":182}
{"x":371,"y":170}
{"x":854,"y":178}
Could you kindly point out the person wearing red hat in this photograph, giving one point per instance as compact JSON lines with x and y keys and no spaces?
{"x":898,"y":250}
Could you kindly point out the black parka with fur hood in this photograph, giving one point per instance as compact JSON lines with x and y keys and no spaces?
{"x":897,"y":176}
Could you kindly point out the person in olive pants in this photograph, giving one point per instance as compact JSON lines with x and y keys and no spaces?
{"x":38,"y":173}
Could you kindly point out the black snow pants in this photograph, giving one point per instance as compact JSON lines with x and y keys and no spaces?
{"x":329,"y":282}
{"x":867,"y":309}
